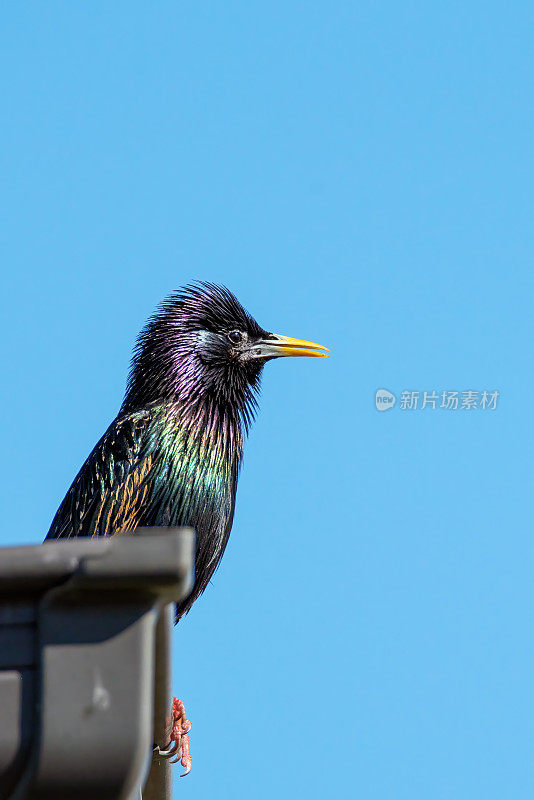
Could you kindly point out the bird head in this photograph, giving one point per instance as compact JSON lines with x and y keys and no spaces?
{"x":202,"y":346}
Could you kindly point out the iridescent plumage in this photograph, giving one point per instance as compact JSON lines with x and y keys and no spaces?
{"x":172,"y":455}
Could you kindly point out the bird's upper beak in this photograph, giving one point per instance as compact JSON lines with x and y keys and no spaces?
{"x":275,"y":346}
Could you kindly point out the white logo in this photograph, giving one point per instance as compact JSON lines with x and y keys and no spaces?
{"x":450,"y":401}
{"x":384,"y":400}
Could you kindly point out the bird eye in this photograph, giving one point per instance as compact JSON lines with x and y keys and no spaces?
{"x":235,"y":336}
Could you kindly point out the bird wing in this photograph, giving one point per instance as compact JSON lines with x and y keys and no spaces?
{"x":110,"y":489}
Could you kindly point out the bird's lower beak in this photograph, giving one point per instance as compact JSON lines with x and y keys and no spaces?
{"x":276,"y":346}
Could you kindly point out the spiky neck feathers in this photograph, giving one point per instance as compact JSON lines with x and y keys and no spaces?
{"x":186,"y":358}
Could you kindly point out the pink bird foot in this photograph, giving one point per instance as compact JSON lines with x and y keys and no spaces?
{"x":180,"y":733}
{"x":179,"y":738}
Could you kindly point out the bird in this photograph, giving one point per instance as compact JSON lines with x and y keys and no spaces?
{"x":172,"y":455}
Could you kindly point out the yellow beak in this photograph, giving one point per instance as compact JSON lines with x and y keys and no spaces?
{"x":276,"y":346}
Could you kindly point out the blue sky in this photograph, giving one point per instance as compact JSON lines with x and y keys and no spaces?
{"x":360,"y":174}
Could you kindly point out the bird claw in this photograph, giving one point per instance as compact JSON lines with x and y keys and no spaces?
{"x":179,"y":746}
{"x":184,"y":756}
{"x":169,"y":753}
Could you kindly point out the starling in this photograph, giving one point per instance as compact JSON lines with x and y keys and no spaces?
{"x":172,"y":455}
